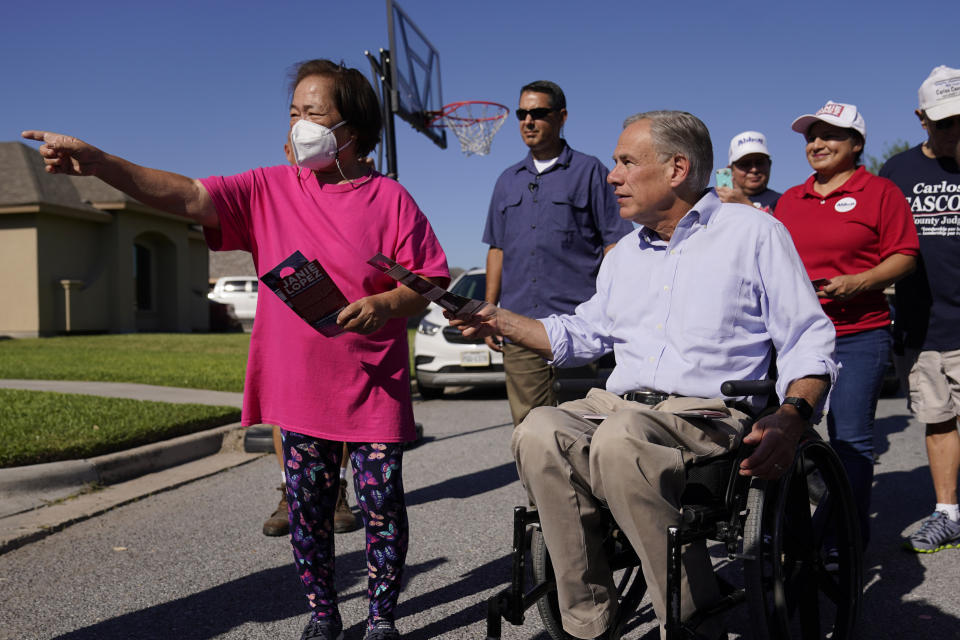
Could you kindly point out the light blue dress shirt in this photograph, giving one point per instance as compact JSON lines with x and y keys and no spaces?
{"x":709,"y":305}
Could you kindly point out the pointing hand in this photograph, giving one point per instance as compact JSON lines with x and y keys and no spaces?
{"x":66,"y":154}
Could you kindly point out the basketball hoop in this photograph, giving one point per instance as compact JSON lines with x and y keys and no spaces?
{"x":474,"y":122}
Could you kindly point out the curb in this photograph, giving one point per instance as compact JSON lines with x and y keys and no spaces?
{"x":112,"y":468}
{"x":38,"y":500}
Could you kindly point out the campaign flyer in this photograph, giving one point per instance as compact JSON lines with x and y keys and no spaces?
{"x":309,"y":291}
{"x":450,"y":301}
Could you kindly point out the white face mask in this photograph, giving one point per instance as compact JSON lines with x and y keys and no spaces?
{"x":314,"y":145}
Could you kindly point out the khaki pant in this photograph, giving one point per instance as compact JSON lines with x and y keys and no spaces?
{"x":529,"y":381}
{"x":934,"y":384}
{"x":633,"y":463}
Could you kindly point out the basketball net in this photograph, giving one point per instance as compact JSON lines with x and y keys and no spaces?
{"x":474,"y":123}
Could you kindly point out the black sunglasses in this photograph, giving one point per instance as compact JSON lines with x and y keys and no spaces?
{"x":537,"y":114}
{"x":946,"y":123}
{"x":744,"y":165}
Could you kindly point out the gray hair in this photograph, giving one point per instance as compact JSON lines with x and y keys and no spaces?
{"x":679,"y":132}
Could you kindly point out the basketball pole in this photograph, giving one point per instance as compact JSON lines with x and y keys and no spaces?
{"x":381,"y":72}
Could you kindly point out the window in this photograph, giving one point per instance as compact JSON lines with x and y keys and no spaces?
{"x":235,"y":285}
{"x":471,"y":286}
{"x":142,"y":278}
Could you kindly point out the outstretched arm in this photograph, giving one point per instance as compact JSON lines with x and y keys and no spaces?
{"x":170,"y":192}
{"x":369,"y":314}
{"x":491,"y":320}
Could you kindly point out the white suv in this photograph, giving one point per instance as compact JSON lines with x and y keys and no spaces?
{"x":238,"y":291}
{"x":443,"y":357}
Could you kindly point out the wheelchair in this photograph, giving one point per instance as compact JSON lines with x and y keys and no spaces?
{"x":797,"y":537}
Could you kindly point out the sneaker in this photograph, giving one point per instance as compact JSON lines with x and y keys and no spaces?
{"x":937,"y":532}
{"x":343,"y":518}
{"x":321,"y":630}
{"x":383,"y":630}
{"x":278,"y":524}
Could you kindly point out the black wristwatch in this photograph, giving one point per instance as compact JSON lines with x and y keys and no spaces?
{"x":802,"y":406}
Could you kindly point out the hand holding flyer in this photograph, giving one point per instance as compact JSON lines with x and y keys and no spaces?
{"x":457,"y":305}
{"x":309,"y":291}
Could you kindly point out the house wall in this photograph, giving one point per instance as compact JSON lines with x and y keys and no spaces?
{"x":19,"y":311}
{"x":39,"y":250}
{"x":73,"y":249}
{"x":56,"y":228}
{"x":179,"y":270}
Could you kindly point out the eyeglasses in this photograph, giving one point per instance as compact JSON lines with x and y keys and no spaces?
{"x":746,"y":165}
{"x":537,"y":114}
{"x":946,"y":123}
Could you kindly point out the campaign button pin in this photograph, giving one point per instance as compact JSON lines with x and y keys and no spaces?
{"x":845,"y":204}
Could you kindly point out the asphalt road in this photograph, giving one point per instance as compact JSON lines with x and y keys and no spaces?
{"x":191,"y":563}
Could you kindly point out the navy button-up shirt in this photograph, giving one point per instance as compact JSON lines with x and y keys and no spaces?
{"x":552,"y":228}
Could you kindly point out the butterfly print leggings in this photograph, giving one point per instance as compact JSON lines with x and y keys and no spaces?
{"x":312,"y":468}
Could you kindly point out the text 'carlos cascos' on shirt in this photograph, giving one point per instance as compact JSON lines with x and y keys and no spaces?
{"x":928,"y":300}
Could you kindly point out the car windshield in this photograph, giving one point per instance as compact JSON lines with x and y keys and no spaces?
{"x":471,"y":286}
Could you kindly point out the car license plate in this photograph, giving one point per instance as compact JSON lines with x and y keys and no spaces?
{"x":475,"y":358}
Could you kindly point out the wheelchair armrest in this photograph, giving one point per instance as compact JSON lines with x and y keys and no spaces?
{"x":748,"y":387}
{"x":574,"y":385}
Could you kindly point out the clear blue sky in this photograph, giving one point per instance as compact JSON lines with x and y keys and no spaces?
{"x":200,"y":87}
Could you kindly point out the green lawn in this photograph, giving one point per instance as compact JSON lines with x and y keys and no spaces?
{"x":196,"y":361}
{"x":43,"y":427}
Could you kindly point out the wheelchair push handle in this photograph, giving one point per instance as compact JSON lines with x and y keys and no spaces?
{"x":748,"y":387}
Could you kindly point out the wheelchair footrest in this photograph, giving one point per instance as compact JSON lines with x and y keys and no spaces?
{"x":511,"y":603}
{"x":703,"y":514}
{"x":510,"y":606}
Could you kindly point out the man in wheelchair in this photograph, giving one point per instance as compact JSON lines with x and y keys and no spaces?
{"x":700,"y":293}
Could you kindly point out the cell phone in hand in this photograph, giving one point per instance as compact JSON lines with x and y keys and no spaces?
{"x":725,"y":178}
{"x":819,"y":283}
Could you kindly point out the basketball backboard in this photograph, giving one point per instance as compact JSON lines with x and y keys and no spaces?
{"x":415,"y":93}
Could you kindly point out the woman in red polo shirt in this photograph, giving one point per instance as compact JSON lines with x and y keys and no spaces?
{"x":855,"y":235}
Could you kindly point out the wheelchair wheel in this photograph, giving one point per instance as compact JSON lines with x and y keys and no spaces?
{"x":803,"y":567}
{"x":629,"y":580}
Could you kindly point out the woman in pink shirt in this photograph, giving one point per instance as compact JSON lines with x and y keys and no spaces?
{"x":353,"y":387}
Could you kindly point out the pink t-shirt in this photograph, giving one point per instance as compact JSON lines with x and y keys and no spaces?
{"x":350,"y":387}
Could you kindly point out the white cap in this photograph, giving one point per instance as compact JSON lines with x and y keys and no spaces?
{"x":845,"y":116}
{"x":746,"y":143}
{"x":940,"y":93}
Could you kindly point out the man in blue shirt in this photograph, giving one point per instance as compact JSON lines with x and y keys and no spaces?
{"x":700,"y":293}
{"x":552,"y":218}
